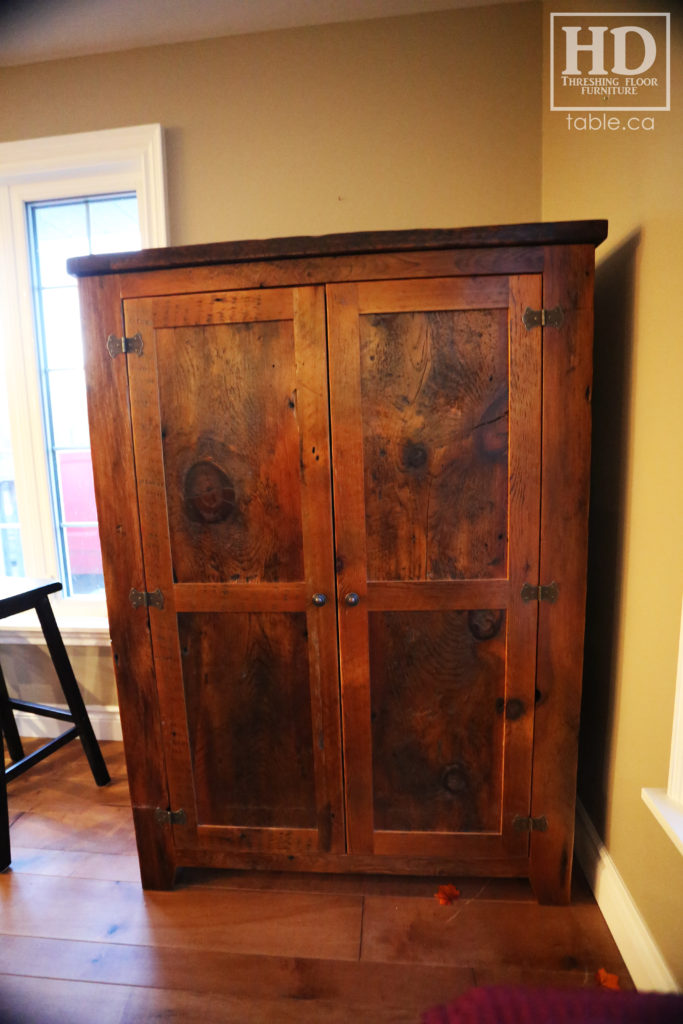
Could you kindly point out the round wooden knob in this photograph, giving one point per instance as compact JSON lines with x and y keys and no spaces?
{"x":319,"y":600}
{"x":352,"y":599}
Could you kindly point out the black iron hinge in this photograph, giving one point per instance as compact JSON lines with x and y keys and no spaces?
{"x":120,"y":346}
{"x":546,"y":592}
{"x":543,"y":317}
{"x":145,"y":599}
{"x":165,"y":816}
{"x":530,"y":824}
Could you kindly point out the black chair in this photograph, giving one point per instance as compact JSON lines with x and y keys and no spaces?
{"x":19,"y":595}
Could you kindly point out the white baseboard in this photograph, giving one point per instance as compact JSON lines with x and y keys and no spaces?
{"x":105,"y":721}
{"x":640,"y":952}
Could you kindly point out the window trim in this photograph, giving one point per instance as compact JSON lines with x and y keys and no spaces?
{"x":127,"y":159}
{"x":667,"y":804}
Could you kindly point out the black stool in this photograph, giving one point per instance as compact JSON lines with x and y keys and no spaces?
{"x":18,"y":595}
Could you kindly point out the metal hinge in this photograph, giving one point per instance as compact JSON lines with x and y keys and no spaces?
{"x":542,"y":317}
{"x":120,"y":346}
{"x":548,"y":592}
{"x":521,"y":824}
{"x":165,"y":816}
{"x":145,"y":599}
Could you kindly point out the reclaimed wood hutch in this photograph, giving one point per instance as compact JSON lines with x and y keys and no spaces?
{"x":342,"y":487}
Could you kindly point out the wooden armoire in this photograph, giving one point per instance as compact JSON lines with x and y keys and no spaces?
{"x":342,"y":487}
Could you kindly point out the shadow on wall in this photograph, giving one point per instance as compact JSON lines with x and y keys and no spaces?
{"x":614,"y":340}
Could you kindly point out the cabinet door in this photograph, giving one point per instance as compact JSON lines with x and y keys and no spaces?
{"x":435,"y":416}
{"x":230,"y":427}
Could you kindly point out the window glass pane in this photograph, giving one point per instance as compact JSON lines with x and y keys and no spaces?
{"x":62,"y":328}
{"x":114,"y":225}
{"x":11,"y":559}
{"x":80,"y":523}
{"x":68,"y":408}
{"x":84,"y":561}
{"x":59,"y":230}
{"x":78,"y":490}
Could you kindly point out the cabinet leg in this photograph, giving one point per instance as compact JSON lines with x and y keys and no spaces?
{"x":550,"y":871}
{"x":155,"y":850}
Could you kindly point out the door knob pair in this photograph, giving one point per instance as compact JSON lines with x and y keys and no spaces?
{"x":320,"y":599}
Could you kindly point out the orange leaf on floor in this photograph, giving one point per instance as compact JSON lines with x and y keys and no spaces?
{"x":447,"y":894}
{"x":607,"y":980}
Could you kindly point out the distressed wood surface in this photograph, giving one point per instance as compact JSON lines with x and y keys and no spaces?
{"x":567,"y":382}
{"x":233,"y":463}
{"x":558,"y":233}
{"x":436,"y":737}
{"x":326,"y":269}
{"x":117,"y":509}
{"x":458,"y":464}
{"x":351,"y":559}
{"x":436,"y":447}
{"x":247,"y":696}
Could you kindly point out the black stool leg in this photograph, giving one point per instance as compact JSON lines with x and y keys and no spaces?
{"x":67,"y":679}
{"x":7,"y":724}
{"x":5,"y":855}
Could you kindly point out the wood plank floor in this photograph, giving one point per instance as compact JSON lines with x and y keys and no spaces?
{"x":80,"y":942}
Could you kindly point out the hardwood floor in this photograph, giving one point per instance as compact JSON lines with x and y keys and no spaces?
{"x":80,"y":942}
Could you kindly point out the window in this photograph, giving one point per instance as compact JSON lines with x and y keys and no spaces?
{"x":60,"y":197}
{"x":56,"y":230}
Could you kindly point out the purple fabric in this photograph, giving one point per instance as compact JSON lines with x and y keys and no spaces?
{"x":502,"y":1005}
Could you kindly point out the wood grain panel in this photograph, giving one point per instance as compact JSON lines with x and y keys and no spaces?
{"x":433,"y":294}
{"x":351,"y":560}
{"x":435,"y":423}
{"x":457,"y":262}
{"x":227,"y":398}
{"x":224,"y":307}
{"x":567,"y":382}
{"x":318,"y":555}
{"x":438,"y":595}
{"x":437,"y":504}
{"x":116,"y":494}
{"x":258,"y":704}
{"x":248,"y":712}
{"x":497,"y":236}
{"x":437,"y":734}
{"x":245,"y":597}
{"x":524,"y":525}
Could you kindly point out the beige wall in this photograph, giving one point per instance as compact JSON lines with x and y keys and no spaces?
{"x":636,"y":563}
{"x":396,"y":123}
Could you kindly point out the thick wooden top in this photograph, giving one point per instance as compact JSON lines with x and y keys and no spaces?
{"x":559,"y":233}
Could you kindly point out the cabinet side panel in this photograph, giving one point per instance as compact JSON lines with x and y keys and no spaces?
{"x":117,"y":509}
{"x":567,"y":381}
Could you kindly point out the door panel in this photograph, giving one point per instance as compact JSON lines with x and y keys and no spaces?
{"x":435,"y":443}
{"x":230,"y":426}
{"x":251,"y":741}
{"x":435,"y":679}
{"x":231,"y":459}
{"x":435,"y":415}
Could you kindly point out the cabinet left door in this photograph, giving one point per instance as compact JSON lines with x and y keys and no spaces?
{"x":229,"y":409}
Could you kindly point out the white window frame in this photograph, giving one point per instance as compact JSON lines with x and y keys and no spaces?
{"x":667,"y":804}
{"x":59,"y":167}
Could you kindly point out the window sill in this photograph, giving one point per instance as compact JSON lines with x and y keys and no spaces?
{"x":668,"y":812}
{"x":76,"y":630}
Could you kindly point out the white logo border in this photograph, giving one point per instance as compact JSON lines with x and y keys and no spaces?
{"x":611,"y":14}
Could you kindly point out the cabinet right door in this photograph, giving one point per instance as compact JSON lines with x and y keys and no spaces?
{"x":435,"y":399}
